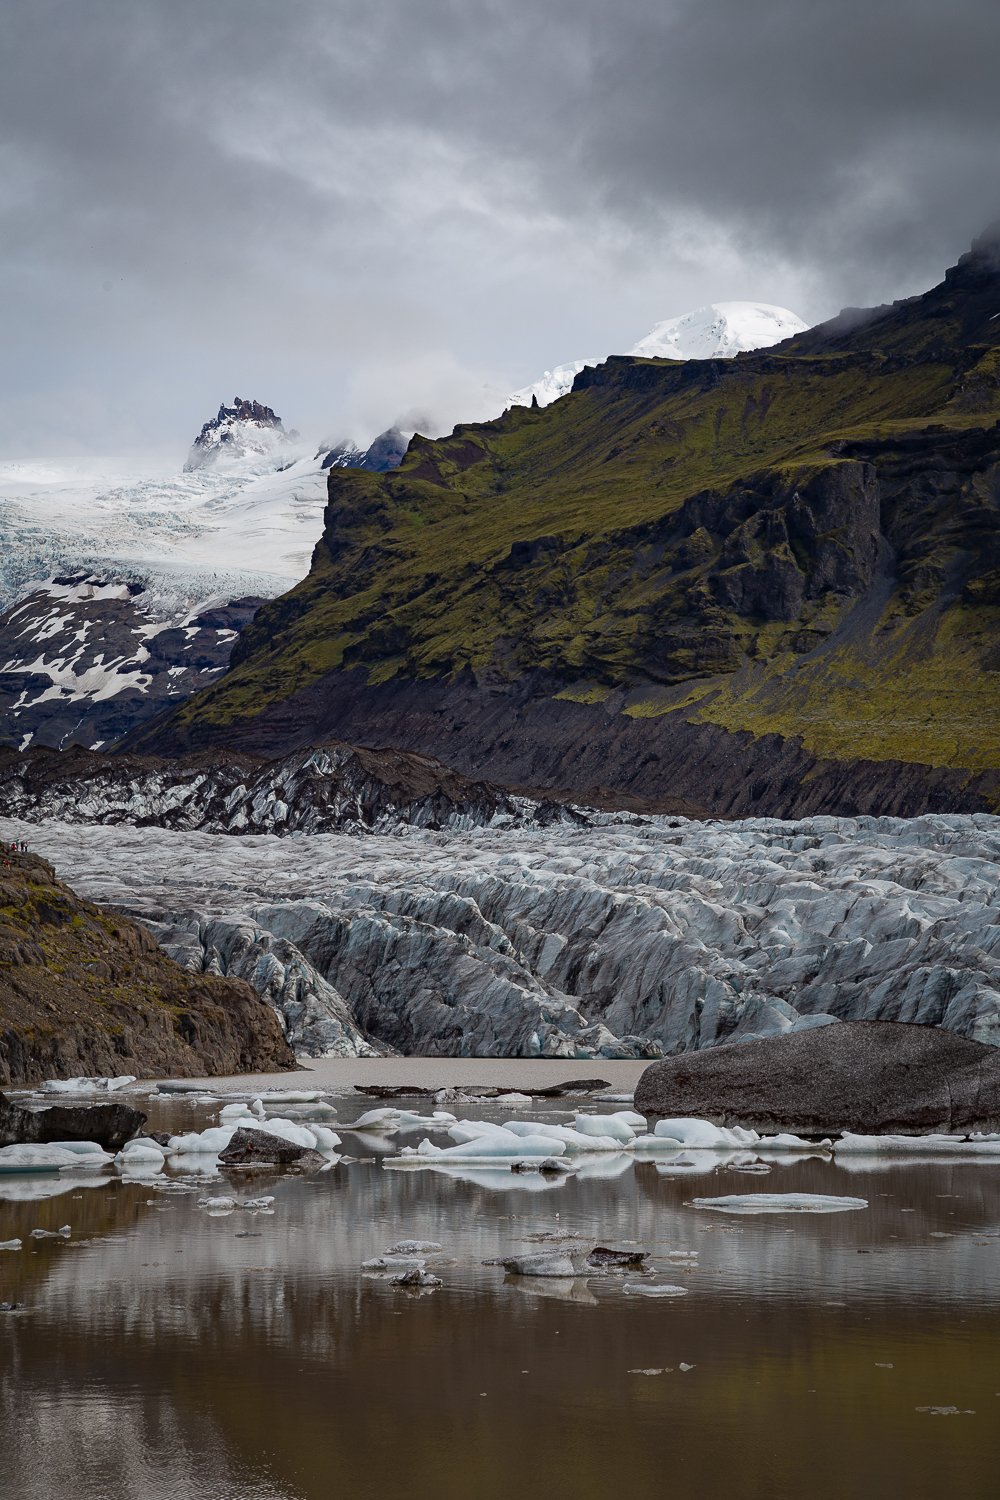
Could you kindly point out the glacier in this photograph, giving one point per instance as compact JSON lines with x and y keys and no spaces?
{"x":627,"y":938}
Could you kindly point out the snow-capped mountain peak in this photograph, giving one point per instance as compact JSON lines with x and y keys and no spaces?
{"x":718,"y":331}
{"x":243,"y":430}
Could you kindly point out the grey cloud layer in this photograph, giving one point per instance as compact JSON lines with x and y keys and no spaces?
{"x":348,"y":209}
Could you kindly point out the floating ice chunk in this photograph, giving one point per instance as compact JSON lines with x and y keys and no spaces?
{"x":652,"y":1289}
{"x":919,"y":1145}
{"x":10,"y":1244}
{"x":52,"y":1234}
{"x":390,"y":1262}
{"x":320,"y":1111}
{"x":416,"y":1278}
{"x":257,"y":1205}
{"x":509,"y":1100}
{"x":142,"y":1156}
{"x":543,"y":1263}
{"x":26,"y":1158}
{"x":202,"y":1143}
{"x":231,"y":1113}
{"x":779,"y":1203}
{"x":290,"y":1096}
{"x":88,"y":1085}
{"x":88,"y":1153}
{"x":607,"y":1127}
{"x":413,"y":1247}
{"x":702,"y":1135}
{"x":573,"y":1140}
{"x":218,"y":1205}
{"x":483,"y":1148}
{"x":382,"y":1120}
{"x":786,"y":1142}
{"x":474,"y":1130}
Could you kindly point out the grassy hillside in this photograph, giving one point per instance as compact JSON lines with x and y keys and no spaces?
{"x":802,"y":542}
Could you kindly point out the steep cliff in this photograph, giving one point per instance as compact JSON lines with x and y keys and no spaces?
{"x":768,"y":584}
{"x":84,"y":991}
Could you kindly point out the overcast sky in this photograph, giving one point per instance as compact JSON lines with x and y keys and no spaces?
{"x":356,"y":210}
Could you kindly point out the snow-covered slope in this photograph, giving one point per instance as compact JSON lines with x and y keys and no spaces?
{"x":717,"y":331}
{"x":123,"y":585}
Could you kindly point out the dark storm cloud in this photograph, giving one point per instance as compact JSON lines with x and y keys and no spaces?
{"x":349,"y":209}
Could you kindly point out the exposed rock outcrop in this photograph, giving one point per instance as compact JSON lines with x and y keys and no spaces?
{"x":85,"y":660}
{"x":86,"y":991}
{"x":246,"y":427}
{"x":336,"y":788}
{"x":863,"y":1076}
{"x":110,"y":1125}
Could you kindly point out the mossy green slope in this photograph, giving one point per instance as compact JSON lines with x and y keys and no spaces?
{"x":803,"y":541}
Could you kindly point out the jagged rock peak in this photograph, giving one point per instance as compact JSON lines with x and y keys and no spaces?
{"x":244,"y":429}
{"x":384,"y":453}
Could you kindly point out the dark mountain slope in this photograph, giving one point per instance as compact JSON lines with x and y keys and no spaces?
{"x":770,"y":583}
{"x":84,"y":991}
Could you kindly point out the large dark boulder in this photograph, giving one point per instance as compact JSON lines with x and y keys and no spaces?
{"x":111,"y":1125}
{"x":257,"y":1148}
{"x":872,"y":1077}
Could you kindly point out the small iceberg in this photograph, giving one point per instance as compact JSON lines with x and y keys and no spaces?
{"x":779,"y":1203}
{"x":87,"y":1085}
{"x":652,"y":1289}
{"x":27,"y":1158}
{"x":917,"y":1145}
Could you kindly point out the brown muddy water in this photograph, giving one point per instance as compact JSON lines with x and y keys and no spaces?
{"x":164,"y":1351}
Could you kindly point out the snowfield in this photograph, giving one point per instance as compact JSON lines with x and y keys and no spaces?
{"x":214,"y":534}
{"x":718,"y":331}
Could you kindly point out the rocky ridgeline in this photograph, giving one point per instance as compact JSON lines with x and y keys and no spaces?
{"x":336,"y":788}
{"x":615,"y":940}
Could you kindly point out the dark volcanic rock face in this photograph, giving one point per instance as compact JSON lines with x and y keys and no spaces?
{"x":864,"y":1076}
{"x":110,"y":1125}
{"x":766,"y":584}
{"x":84,"y":991}
{"x":82,"y":661}
{"x":602,"y":756}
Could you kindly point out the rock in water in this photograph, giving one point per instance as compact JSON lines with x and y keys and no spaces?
{"x":110,"y":1125}
{"x":256,"y":1148}
{"x":872,"y":1077}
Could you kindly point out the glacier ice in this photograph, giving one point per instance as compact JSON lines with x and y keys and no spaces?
{"x":779,"y":1203}
{"x":617,"y":939}
{"x":917,"y":1145}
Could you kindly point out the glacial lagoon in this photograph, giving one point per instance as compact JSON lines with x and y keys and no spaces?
{"x":168,"y":1348}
